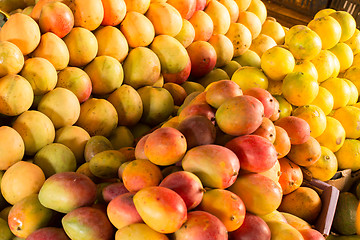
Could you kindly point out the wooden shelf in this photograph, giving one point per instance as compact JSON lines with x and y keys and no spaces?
{"x":286,"y":17}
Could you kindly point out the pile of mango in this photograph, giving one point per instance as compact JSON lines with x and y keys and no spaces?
{"x":173,"y":119}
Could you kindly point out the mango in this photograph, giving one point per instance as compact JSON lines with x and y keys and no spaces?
{"x":40,"y":73}
{"x":87,"y":223}
{"x":296,"y":222}
{"x":3,"y":202}
{"x":203,"y":58}
{"x":55,"y":158}
{"x":304,"y":202}
{"x":88,"y":15}
{"x":177,"y":92}
{"x":12,"y":59}
{"x":21,"y":180}
{"x":216,"y":166}
{"x":140,"y":6}
{"x":345,"y":215}
{"x":106,"y":74}
{"x":53,"y":233}
{"x":165,"y":18}
{"x":165,"y":146}
{"x":172,"y":55}
{"x":56,"y":17}
{"x":128,"y":105}
{"x":106,"y":164}
{"x":82,"y":45}
{"x":75,"y":138}
{"x":247,"y":149}
{"x":240,"y":115}
{"x":28,"y":215}
{"x":121,"y":137}
{"x":140,"y":147}
{"x":54,"y":49}
{"x":158,"y":104}
{"x":197,"y":109}
{"x":191,"y":87}
{"x":266,"y":130}
{"x":201,"y":225}
{"x":219,"y":15}
{"x":113,"y":190}
{"x":5,"y":232}
{"x":240,"y":37}
{"x":139,"y":231}
{"x":61,"y":106}
{"x":224,"y":49}
{"x":77,"y":81}
{"x":98,"y":117}
{"x":274,"y":216}
{"x":187,"y":185}
{"x":225,"y":205}
{"x":260,"y":194}
{"x":281,"y":230}
{"x":197,"y":130}
{"x":66,"y":191}
{"x":141,"y":68}
{"x":11,"y":5}
{"x":187,"y":33}
{"x":297,"y":129}
{"x":114,"y":12}
{"x":161,"y":208}
{"x":12,"y":147}
{"x":84,"y":169}
{"x":231,"y":68}
{"x":121,"y":211}
{"x":252,"y":227}
{"x":264,"y":97}
{"x":215,"y":75}
{"x":139,"y":174}
{"x":203,"y":25}
{"x":185,"y":8}
{"x":95,"y":145}
{"x":21,"y":30}
{"x":137,"y":28}
{"x":111,"y":41}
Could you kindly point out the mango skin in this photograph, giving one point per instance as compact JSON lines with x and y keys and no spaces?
{"x":45,"y":233}
{"x":139,"y":231}
{"x":161,"y":208}
{"x":260,"y":194}
{"x":21,"y":180}
{"x":66,"y":191}
{"x":87,"y":223}
{"x":36,"y":129}
{"x":173,"y":56}
{"x":202,"y":225}
{"x":27,"y":216}
{"x":16,"y":95}
{"x":216,"y":166}
{"x":98,"y":117}
{"x":158,"y":105}
{"x":128,"y":105}
{"x":5,"y":232}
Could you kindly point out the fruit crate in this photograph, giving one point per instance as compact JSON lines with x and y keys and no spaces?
{"x":304,"y":7}
{"x":350,"y":6}
{"x":285,"y":16}
{"x":329,"y":197}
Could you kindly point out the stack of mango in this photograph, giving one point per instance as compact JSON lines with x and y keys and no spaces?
{"x":177,"y":119}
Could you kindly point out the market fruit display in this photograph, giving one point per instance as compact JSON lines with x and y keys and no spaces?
{"x":143,"y":119}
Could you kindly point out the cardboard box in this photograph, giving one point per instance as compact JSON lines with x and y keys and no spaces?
{"x":329,"y":197}
{"x":344,"y":179}
{"x":341,"y":180}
